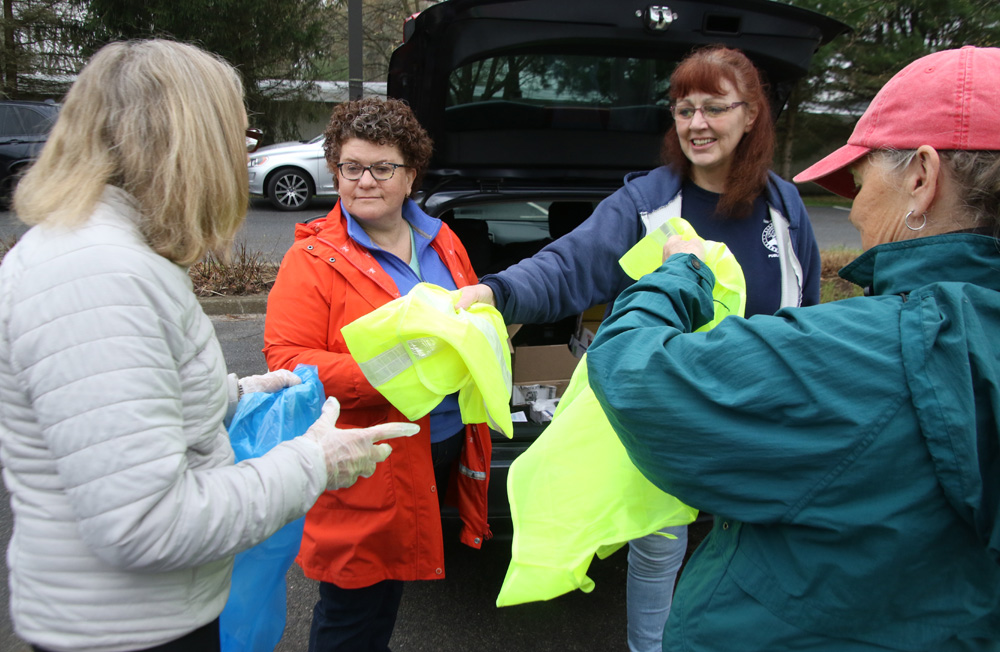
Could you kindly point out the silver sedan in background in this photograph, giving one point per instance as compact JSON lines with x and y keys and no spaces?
{"x":290,"y":174}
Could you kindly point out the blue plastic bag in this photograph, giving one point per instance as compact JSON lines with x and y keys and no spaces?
{"x":254,"y":617}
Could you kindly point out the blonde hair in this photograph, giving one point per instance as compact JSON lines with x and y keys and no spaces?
{"x":162,"y":120}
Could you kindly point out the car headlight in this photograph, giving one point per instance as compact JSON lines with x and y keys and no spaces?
{"x":256,"y":161}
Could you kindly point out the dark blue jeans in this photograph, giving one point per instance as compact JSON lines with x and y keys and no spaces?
{"x":361,"y":620}
{"x":355,"y":620}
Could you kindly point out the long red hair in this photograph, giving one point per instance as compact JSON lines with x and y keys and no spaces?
{"x":704,"y":71}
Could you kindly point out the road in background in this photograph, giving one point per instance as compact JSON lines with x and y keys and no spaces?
{"x":266,"y":231}
{"x":271,"y":232}
{"x":832,"y":229}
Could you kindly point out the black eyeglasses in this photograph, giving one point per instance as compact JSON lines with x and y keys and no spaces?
{"x":709,"y":111}
{"x":254,"y":136}
{"x":379,"y":171}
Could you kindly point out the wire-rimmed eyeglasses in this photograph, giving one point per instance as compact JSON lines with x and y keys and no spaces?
{"x":379,"y":171}
{"x":254,"y":136}
{"x":708,"y":111}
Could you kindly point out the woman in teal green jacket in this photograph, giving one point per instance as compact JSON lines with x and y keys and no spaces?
{"x":850,"y":451}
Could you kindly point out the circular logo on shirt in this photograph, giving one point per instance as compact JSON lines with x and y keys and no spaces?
{"x":768,"y":238}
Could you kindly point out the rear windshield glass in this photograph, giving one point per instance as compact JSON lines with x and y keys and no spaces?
{"x":561,"y":91}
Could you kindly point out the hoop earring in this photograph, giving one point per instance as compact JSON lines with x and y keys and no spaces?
{"x":906,"y":221}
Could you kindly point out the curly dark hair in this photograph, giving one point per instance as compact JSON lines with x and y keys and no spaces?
{"x":383,"y":122}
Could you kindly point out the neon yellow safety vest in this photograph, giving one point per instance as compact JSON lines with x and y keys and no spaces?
{"x":417,"y":349}
{"x":575,"y":493}
{"x":730,"y":286}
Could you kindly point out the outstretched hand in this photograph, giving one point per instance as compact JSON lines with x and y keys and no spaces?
{"x":352,"y":453}
{"x":471,"y":294}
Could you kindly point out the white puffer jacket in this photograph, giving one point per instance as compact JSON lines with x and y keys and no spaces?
{"x":127,"y":506}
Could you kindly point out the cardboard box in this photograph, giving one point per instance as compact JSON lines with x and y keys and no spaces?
{"x":538,"y":367}
{"x":536,"y":364}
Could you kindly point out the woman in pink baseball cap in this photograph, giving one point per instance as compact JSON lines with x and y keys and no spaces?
{"x":850,"y":451}
{"x":936,"y":115}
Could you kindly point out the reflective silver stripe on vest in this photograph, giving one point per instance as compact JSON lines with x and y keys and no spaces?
{"x":389,"y":364}
{"x":490,"y":421}
{"x":791,"y":270}
{"x":484,"y":327}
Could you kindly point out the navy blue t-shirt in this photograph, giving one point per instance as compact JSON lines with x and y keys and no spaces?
{"x":751,"y":239}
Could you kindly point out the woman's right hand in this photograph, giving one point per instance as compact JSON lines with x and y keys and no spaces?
{"x":352,"y":453}
{"x":471,"y":294}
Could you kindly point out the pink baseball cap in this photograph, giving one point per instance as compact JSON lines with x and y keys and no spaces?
{"x":949,"y":100}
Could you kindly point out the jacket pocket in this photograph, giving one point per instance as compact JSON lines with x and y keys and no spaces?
{"x":374,"y":493}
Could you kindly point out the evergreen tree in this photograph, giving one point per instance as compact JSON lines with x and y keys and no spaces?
{"x":846,"y":74}
{"x":276,"y":46}
{"x":40,"y":50}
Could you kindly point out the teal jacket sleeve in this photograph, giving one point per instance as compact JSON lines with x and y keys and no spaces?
{"x":753,"y":418}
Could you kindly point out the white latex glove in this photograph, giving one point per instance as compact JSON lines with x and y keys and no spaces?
{"x":271,"y":382}
{"x":352,"y":453}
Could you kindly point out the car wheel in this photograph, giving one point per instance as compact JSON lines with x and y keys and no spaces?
{"x":290,"y":189}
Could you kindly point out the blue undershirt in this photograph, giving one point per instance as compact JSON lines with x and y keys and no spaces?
{"x":427,"y":267}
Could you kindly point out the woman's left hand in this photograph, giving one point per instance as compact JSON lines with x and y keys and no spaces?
{"x":271,"y":382}
{"x":678,"y":245}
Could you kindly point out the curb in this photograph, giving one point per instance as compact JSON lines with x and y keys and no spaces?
{"x":250,"y":304}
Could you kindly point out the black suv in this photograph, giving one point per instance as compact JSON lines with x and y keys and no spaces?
{"x":24,"y":127}
{"x":538,"y":109}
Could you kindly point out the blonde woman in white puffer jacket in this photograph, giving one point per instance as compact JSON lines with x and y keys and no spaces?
{"x":113,"y":392}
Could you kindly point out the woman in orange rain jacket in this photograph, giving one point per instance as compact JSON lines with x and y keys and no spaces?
{"x":362,"y":543}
